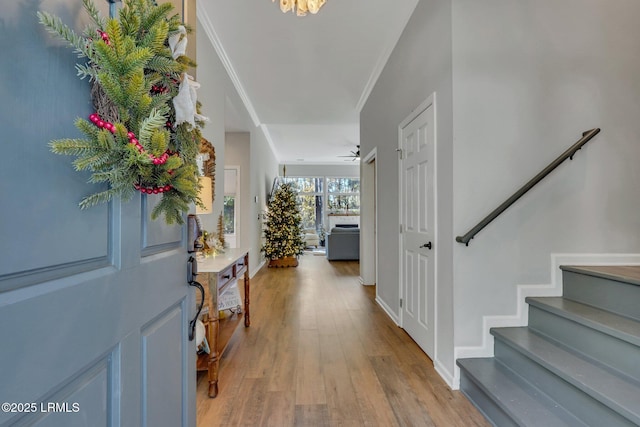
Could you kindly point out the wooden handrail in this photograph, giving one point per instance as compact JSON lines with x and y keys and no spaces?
{"x":586,"y":137}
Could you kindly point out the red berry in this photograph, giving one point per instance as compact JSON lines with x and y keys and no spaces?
{"x":130,"y":135}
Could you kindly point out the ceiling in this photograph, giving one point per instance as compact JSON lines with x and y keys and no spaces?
{"x":304,"y":80}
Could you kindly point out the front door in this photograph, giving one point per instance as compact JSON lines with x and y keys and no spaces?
{"x":94,"y":304}
{"x":417,"y":145}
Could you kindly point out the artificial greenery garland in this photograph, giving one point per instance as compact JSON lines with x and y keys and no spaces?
{"x":135,"y":141}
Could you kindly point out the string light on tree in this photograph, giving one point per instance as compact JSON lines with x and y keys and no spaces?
{"x":283,"y":226}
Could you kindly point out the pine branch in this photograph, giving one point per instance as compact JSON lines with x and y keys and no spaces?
{"x":111,"y":86}
{"x":55,"y":26}
{"x":97,"y":198}
{"x":92,"y":162}
{"x":156,"y":37}
{"x":94,"y":13}
{"x":86,"y":71}
{"x":155,"y":15}
{"x":165,"y":65}
{"x":72,"y":147}
{"x":155,"y":120}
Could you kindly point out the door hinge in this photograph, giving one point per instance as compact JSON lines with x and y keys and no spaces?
{"x":400,"y":302}
{"x":400,"y":228}
{"x":399,"y":150}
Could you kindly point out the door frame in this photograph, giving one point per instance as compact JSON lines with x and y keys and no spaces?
{"x":236,"y":208}
{"x":369,"y":165}
{"x":431,"y":100}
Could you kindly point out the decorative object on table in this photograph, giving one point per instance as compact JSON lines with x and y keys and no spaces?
{"x":301,"y":7}
{"x":221,"y":230}
{"x":283,"y":229}
{"x":145,"y":132}
{"x":212,"y":244}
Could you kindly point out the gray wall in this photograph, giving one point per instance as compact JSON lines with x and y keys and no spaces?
{"x":419,"y":65}
{"x":516,"y":84}
{"x":529,"y":78}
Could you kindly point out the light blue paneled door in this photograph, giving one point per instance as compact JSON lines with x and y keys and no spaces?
{"x":94,"y":305}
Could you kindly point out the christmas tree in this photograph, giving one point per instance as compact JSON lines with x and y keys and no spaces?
{"x":144,"y":135}
{"x":283,"y":225}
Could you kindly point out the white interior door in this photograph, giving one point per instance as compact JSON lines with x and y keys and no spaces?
{"x":417,"y":140}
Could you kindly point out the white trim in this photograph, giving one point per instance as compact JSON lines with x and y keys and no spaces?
{"x":257,"y":268}
{"x":267,"y":136}
{"x":370,"y":158}
{"x":445,"y":374}
{"x":209,"y":30}
{"x":387,"y":310}
{"x":520,"y":318}
{"x":382,"y":60}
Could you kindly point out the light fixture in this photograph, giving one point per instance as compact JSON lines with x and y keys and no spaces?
{"x":301,"y":7}
{"x":206,"y":196}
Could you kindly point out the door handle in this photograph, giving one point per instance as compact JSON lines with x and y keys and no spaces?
{"x":192,"y":272}
{"x":426,"y":245}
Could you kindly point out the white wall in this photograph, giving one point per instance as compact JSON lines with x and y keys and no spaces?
{"x":529,"y":77}
{"x":238,"y":153}
{"x":217,"y":91}
{"x":419,"y":65}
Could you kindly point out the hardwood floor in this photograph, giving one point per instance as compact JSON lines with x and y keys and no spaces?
{"x":321,"y":352}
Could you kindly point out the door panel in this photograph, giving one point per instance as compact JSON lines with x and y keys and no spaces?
{"x":156,"y":236}
{"x":417,"y":142}
{"x":82,"y":292}
{"x":162,"y":362}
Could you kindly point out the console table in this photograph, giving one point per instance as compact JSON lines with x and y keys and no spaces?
{"x":217,"y":274}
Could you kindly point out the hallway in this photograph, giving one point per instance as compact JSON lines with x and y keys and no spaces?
{"x":320,"y":352}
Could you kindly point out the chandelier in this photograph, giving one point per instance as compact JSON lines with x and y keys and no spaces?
{"x":301,"y":7}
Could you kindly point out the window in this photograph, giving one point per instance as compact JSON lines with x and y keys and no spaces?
{"x":230,"y":208}
{"x":320,"y":196}
{"x":229,"y":214}
{"x":310,"y":195}
{"x":343,"y":195}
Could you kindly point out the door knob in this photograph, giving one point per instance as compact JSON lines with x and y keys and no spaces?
{"x":426,"y":245}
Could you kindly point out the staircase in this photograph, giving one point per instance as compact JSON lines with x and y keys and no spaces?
{"x":576,"y":364}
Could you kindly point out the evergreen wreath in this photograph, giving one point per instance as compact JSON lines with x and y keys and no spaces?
{"x":139,"y":138}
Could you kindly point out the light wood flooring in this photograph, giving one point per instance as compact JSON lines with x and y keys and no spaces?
{"x":321,"y":352}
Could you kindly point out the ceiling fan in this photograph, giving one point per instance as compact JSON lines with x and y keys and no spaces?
{"x":354,"y":154}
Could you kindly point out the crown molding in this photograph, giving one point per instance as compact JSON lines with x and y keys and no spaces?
{"x":206,"y":23}
{"x":382,"y":61}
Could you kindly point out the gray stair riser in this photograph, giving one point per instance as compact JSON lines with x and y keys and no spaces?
{"x":610,"y":295}
{"x":489,"y":408}
{"x":565,"y":394}
{"x":606,"y":349}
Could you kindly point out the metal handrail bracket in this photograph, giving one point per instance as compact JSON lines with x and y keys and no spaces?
{"x":568,"y":154}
